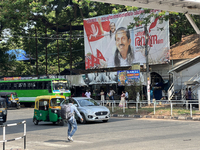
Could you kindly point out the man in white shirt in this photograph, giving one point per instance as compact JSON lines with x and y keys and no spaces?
{"x":126,"y":95}
{"x":88,"y":94}
{"x":126,"y":98}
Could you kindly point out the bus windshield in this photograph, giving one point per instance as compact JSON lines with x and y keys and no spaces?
{"x":60,"y":86}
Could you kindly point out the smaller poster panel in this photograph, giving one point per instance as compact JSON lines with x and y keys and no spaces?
{"x":133,"y":77}
{"x":122,"y":78}
{"x":128,"y":77}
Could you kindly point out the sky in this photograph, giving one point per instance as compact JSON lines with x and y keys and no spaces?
{"x":19,"y":53}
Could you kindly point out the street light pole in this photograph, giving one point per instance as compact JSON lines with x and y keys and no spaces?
{"x":147,"y":64}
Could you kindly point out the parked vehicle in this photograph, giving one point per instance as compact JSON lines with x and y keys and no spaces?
{"x":27,"y":90}
{"x":11,"y":99}
{"x":48,"y":109}
{"x":3,"y":110}
{"x":89,"y":109}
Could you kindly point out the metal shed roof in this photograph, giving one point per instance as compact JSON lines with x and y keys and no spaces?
{"x":181,"y":6}
{"x":186,"y":64}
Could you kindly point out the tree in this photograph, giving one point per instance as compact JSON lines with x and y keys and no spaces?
{"x":48,"y":23}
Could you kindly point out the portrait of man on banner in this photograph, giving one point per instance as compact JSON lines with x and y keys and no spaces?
{"x":124,"y":53}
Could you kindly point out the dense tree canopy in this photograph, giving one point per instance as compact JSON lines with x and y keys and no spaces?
{"x":56,"y":27}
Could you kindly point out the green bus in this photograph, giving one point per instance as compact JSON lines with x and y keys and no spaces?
{"x":28,"y":90}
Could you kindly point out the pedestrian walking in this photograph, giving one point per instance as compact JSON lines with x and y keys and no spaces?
{"x":72,"y":124}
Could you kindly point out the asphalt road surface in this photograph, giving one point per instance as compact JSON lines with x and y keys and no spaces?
{"x":116,"y":134}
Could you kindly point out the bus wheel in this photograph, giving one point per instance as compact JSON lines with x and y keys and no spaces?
{"x":35,"y":121}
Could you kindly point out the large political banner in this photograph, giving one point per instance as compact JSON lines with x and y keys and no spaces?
{"x":108,"y":42}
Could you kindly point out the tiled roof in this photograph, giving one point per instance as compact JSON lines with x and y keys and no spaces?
{"x":188,"y":47}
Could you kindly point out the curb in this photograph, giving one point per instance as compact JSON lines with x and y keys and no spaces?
{"x":157,"y":117}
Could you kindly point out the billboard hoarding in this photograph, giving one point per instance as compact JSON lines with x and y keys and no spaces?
{"x":108,"y":42}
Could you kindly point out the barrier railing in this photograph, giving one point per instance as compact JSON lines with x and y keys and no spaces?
{"x":155,"y":103}
{"x":4,"y":133}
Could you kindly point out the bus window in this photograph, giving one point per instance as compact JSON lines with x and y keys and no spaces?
{"x":12,"y":86}
{"x":49,"y":87}
{"x":15,"y":85}
{"x":24,"y":85}
{"x":34,"y":85}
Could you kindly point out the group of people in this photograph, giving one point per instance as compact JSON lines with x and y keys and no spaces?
{"x":188,"y":94}
{"x":124,"y":97}
{"x":110,"y":95}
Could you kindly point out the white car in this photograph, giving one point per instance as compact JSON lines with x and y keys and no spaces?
{"x":90,"y":109}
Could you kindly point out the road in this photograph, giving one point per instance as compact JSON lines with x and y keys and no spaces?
{"x":116,"y":134}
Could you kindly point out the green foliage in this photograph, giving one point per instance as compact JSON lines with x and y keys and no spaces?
{"x":133,"y":90}
{"x":45,"y":21}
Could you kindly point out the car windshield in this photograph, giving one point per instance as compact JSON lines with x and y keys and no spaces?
{"x":87,"y":102}
{"x":64,"y":102}
{"x":56,"y":101}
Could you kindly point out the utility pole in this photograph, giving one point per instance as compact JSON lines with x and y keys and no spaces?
{"x":46,"y":47}
{"x":70,"y":46}
{"x":36,"y":52}
{"x":58,"y":52}
{"x":147,"y":63}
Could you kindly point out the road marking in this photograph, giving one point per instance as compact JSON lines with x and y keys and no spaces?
{"x":82,"y":141}
{"x":59,"y":145}
{"x":50,"y":144}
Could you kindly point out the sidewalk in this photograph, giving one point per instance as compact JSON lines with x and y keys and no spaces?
{"x":162,"y":112}
{"x":182,"y":117}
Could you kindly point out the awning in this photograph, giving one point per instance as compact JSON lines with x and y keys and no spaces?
{"x":76,"y":80}
{"x":191,"y":83}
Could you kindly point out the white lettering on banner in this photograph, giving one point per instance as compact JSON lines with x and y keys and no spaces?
{"x":111,"y":17}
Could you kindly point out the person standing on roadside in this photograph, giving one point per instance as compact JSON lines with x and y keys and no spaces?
{"x":111,"y":94}
{"x":122,"y":102}
{"x":190,"y":94}
{"x":88,"y":94}
{"x":102,"y":97}
{"x":126,"y":97}
{"x":186,"y":93}
{"x":72,"y":124}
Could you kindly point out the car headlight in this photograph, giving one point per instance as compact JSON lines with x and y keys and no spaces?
{"x":4,"y":112}
{"x":55,"y":111}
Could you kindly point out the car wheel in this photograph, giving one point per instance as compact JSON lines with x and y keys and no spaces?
{"x":18,"y":106}
{"x":35,"y":121}
{"x":84,"y":120}
{"x":105,"y":120}
{"x":4,"y":118}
